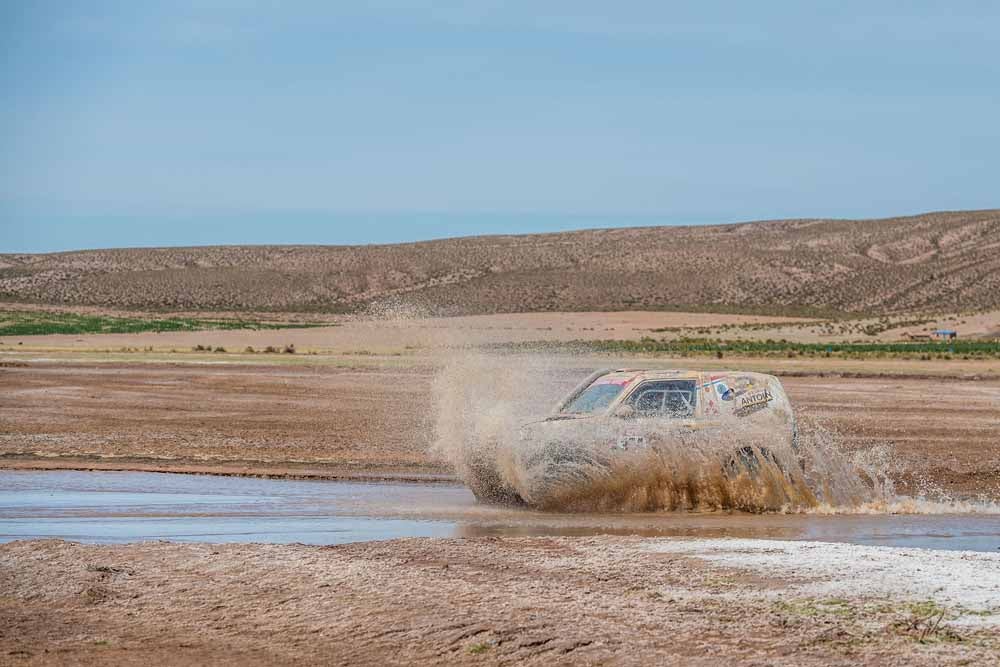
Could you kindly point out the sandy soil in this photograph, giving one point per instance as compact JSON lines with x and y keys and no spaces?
{"x":609,"y":600}
{"x":350,"y":339}
{"x":373,"y":419}
{"x":365,"y":417}
{"x":402,"y":332}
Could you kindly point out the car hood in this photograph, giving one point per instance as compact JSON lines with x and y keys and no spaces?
{"x":571,"y":428}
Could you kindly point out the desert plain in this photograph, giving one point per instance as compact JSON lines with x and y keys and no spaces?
{"x":329,"y":364}
{"x":356,"y":401}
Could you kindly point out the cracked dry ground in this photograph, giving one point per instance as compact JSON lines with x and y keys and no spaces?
{"x":425,"y":601}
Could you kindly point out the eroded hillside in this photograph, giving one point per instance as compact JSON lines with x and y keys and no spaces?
{"x":938,"y":261}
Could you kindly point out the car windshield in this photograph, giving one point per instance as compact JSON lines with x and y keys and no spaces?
{"x":595,"y":398}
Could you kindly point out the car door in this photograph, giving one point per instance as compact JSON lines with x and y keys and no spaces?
{"x":663,"y":410}
{"x":714,"y":398}
{"x":666,"y":399}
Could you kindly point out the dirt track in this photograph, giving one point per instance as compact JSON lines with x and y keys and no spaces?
{"x":374,"y":419}
{"x":608,"y":600}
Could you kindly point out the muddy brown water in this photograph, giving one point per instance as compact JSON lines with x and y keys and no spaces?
{"x":117,"y":507}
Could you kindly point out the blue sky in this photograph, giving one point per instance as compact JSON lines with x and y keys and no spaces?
{"x":221,"y":121}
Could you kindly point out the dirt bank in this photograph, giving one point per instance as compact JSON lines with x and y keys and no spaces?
{"x":491,"y":601}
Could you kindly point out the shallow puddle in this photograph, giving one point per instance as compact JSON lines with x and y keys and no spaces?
{"x":127,"y":507}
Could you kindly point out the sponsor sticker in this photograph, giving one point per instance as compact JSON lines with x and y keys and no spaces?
{"x":742,"y":385}
{"x":725,"y":391}
{"x":753,"y":401}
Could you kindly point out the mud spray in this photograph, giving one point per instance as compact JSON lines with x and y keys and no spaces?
{"x":489,"y":427}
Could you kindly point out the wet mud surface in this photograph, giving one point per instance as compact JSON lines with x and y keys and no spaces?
{"x":460,"y":583}
{"x":373,"y":420}
{"x":491,"y":600}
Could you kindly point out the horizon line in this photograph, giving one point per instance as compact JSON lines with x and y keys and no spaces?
{"x":488,"y":235}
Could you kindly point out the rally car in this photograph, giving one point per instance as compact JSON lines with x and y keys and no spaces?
{"x":739,"y":421}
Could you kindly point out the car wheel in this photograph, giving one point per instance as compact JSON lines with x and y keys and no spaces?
{"x":749,"y":459}
{"x":488,"y":487}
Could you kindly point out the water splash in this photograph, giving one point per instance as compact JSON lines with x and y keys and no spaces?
{"x":490,"y":426}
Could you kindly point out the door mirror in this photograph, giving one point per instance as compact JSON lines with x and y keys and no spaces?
{"x":625,"y":411}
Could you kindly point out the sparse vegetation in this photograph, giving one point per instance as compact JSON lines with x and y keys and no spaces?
{"x":719,"y":348}
{"x":810,"y":608}
{"x":480,"y":648}
{"x":33,"y":323}
{"x":923,"y":623}
{"x":885,"y":324}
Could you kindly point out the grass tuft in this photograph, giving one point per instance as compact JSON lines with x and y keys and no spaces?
{"x":480,"y":648}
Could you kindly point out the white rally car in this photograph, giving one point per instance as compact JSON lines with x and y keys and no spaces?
{"x":617,"y":412}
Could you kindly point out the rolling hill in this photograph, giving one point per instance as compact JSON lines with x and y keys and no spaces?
{"x":934,"y":262}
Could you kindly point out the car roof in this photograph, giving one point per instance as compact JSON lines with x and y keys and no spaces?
{"x":634,"y":374}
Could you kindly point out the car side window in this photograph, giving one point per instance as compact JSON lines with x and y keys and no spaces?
{"x":665,"y":398}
